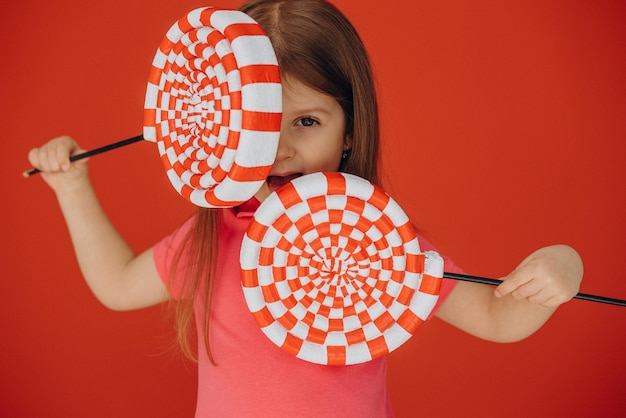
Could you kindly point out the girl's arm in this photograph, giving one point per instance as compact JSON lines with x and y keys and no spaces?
{"x":522,"y":303}
{"x":118,"y":278}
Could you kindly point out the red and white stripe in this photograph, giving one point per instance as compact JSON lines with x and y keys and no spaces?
{"x":332,"y":270}
{"x":213,"y":105}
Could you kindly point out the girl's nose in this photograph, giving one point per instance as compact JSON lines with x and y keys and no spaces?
{"x":285,"y":149}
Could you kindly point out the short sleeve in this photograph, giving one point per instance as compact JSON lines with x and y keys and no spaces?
{"x":165,"y":252}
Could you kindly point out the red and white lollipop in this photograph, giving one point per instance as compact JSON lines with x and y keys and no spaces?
{"x":332,"y":270}
{"x":213,"y":105}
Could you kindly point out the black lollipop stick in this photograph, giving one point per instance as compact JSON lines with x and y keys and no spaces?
{"x":494,"y":282}
{"x":96,"y":151}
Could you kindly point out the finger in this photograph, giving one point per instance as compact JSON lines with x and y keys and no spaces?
{"x":527,"y":290}
{"x":50,"y":158}
{"x":540,"y":298}
{"x":33,"y":157}
{"x":62,"y":155}
{"x":510,"y":283}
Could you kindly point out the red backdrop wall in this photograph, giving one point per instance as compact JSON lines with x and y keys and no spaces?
{"x":503,"y":131}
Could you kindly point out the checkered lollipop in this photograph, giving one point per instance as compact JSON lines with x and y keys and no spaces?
{"x":213,"y":105}
{"x":332,"y":270}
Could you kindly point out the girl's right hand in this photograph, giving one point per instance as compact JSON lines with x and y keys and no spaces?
{"x":53,"y":159}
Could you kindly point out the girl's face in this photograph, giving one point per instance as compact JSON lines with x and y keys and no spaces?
{"x":312,"y":136}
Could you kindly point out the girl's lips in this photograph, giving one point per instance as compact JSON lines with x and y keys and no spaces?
{"x":274,"y":182}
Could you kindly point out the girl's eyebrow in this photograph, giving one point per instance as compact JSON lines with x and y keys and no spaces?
{"x":310,"y":110}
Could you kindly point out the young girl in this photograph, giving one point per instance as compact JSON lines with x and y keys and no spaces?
{"x":329,"y":123}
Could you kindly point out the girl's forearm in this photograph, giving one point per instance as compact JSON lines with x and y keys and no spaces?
{"x":101,"y":251}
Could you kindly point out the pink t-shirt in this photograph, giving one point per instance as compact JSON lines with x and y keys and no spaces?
{"x":255,"y":378}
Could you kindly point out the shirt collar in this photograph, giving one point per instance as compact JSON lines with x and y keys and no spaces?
{"x":247,"y":209}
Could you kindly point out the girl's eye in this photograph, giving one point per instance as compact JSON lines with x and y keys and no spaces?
{"x":306,"y":121}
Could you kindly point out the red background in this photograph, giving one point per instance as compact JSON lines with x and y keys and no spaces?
{"x":503,"y":131}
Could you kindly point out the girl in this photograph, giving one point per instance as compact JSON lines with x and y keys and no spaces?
{"x":329,"y":123}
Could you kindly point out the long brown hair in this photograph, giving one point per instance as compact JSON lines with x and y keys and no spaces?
{"x":316,"y":45}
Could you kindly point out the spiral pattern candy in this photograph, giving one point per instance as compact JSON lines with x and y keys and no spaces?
{"x":332,"y":270}
{"x":213,"y":105}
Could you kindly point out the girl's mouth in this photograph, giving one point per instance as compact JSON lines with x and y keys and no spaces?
{"x":274,"y":182}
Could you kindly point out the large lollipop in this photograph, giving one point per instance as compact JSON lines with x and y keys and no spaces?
{"x":213,"y":105}
{"x":332,"y":270}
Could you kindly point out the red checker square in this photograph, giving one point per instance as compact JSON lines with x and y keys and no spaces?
{"x":317,"y":203}
{"x":349,"y":311}
{"x":245,"y":174}
{"x":232,"y":140}
{"x":306,"y":301}
{"x":336,"y":183}
{"x":270,"y":293}
{"x":386,"y":300}
{"x":234,"y":30}
{"x":356,"y":336}
{"x":369,"y":301}
{"x":229,"y":62}
{"x":250,"y":278}
{"x":320,"y":297}
{"x":263,"y":317}
{"x":405,"y":295}
{"x":335,"y":324}
{"x":235,"y":100}
{"x":292,"y":259}
{"x":299,"y":242}
{"x":186,"y":191}
{"x":336,"y":355}
{"x":283,"y":244}
{"x":337,"y":302}
{"x":256,"y":231}
{"x":305,"y":223}
{"x":259,"y":73}
{"x":335,"y":216}
{"x":288,"y":320}
{"x":294,"y":284}
{"x":350,"y":245}
{"x":397,"y":276}
{"x":323,"y":230}
{"x":261,"y":121}
{"x":345,"y":230}
{"x":378,"y":347}
{"x":355,"y":298}
{"x":316,"y":336}
{"x":430,"y":285}
{"x":289,"y":302}
{"x":364,"y":317}
{"x":266,"y":256}
{"x":355,"y":205}
{"x":363,"y":224}
{"x":324,"y":311}
{"x":308,"y":287}
{"x":379,"y":199}
{"x":385,"y":225}
{"x":409,"y":321}
{"x":384,"y":321}
{"x":289,"y":196}
{"x":279,"y":274}
{"x":303,"y":271}
{"x":292,"y":344}
{"x":309,"y":318}
{"x":415,"y":263}
{"x":406,"y":232}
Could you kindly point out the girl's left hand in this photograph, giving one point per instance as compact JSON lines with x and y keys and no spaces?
{"x":548,"y":277}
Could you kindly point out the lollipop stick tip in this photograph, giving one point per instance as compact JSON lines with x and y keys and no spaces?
{"x":28,"y":173}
